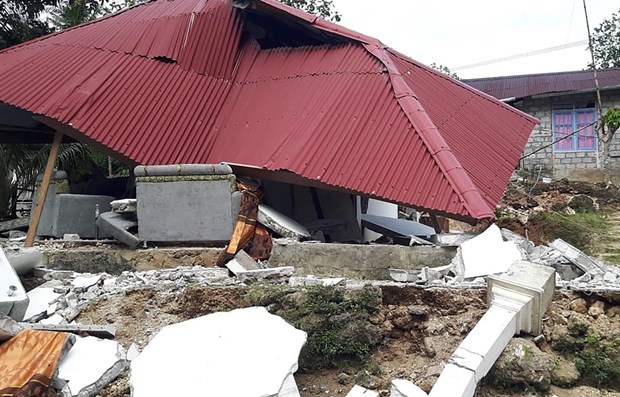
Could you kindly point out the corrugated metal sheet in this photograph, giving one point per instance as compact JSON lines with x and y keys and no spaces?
{"x":536,"y":84}
{"x":177,"y":82}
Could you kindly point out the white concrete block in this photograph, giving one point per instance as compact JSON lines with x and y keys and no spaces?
{"x":454,"y":382}
{"x":54,"y":319}
{"x":359,"y":391}
{"x":289,"y":388}
{"x":84,"y":282}
{"x":404,"y":388}
{"x":488,"y":253}
{"x":242,"y":353}
{"x":91,"y":364}
{"x":40,"y":299}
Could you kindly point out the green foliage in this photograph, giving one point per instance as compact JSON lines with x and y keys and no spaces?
{"x":74,"y":12}
{"x":18,"y":21}
{"x":323,"y":8}
{"x":612,"y":119}
{"x":335,"y":319}
{"x":596,"y":357}
{"x":445,"y":70}
{"x":606,"y":43}
{"x":599,"y":361}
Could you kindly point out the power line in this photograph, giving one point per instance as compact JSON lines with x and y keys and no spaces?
{"x":523,"y":55}
{"x":557,"y":140}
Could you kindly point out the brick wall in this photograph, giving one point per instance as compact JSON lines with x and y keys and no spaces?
{"x":574,"y":165}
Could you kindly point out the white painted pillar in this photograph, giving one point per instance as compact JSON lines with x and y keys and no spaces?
{"x":518,"y":299}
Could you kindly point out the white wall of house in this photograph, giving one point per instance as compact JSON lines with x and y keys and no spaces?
{"x":574,"y":164}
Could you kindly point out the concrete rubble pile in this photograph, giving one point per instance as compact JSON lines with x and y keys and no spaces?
{"x":494,"y":250}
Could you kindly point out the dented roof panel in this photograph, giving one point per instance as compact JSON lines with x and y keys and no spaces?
{"x":181,"y":81}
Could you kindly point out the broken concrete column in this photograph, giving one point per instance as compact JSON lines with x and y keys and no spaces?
{"x":518,"y":299}
{"x":244,"y":352}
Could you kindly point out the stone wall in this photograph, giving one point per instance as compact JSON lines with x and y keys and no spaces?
{"x":574,"y":165}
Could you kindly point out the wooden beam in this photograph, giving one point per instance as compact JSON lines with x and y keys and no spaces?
{"x":45,"y":184}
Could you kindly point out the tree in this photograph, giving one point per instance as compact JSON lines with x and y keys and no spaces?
{"x":74,"y":12}
{"x":19,"y":23}
{"x":606,"y":43}
{"x":323,"y":8}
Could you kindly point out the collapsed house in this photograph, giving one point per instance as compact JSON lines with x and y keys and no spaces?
{"x":321,"y":113}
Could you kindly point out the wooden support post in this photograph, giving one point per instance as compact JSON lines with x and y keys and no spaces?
{"x":45,"y":184}
{"x":436,"y":223}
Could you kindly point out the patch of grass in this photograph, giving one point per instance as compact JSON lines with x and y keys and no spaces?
{"x":336,"y":320}
{"x":580,"y":229}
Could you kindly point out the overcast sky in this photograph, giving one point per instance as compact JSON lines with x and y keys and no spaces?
{"x":458,"y":33}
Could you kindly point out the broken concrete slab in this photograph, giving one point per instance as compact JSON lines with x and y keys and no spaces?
{"x":359,"y":391}
{"x":357,"y":261}
{"x":451,"y":239}
{"x":119,"y":227}
{"x":8,"y":328}
{"x":404,"y":275}
{"x":124,"y":206}
{"x":13,"y":224}
{"x":98,"y":331}
{"x":13,"y":297}
{"x":280,"y":223}
{"x":40,"y":299}
{"x":488,"y":253}
{"x":577,"y":257}
{"x":405,"y":388}
{"x":311,"y":281}
{"x":271,"y":273}
{"x":242,"y":262}
{"x":244,"y":352}
{"x":91,"y":364}
{"x":82,"y":283}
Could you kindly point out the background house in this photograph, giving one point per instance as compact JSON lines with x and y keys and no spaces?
{"x":563,"y":102}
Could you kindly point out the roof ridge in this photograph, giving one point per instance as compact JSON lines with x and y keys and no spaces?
{"x":473,"y":90}
{"x":458,"y":179}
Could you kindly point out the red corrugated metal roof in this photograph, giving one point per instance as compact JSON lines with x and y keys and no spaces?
{"x":181,"y":82}
{"x":522,"y":86}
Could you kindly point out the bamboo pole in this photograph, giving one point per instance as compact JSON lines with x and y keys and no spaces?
{"x":45,"y":184}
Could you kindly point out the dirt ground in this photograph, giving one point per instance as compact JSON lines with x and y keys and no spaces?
{"x":415,"y":346}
